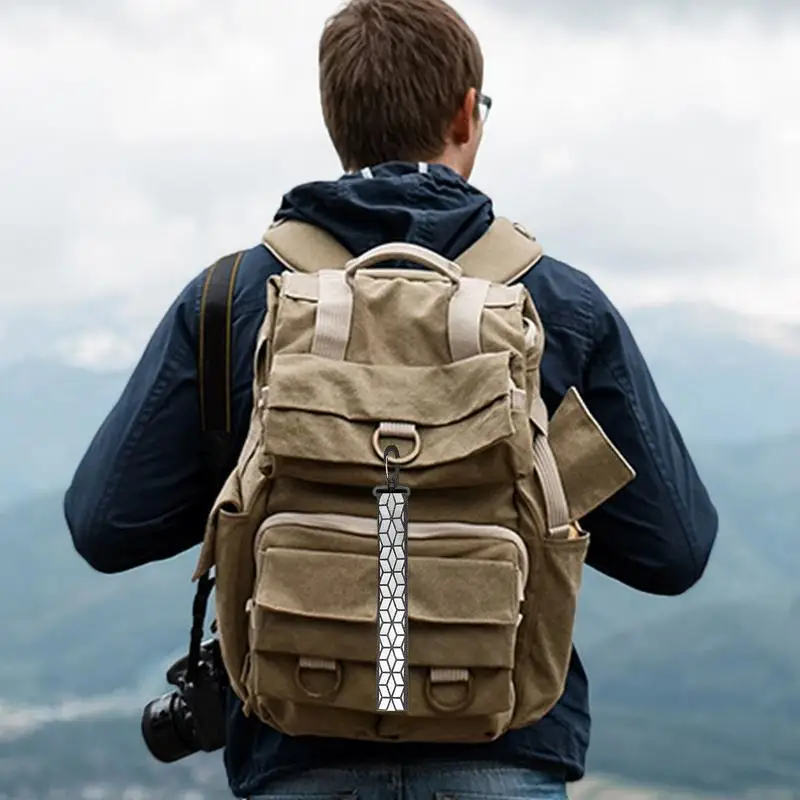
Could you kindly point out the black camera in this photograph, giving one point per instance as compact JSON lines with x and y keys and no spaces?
{"x":192,"y":717}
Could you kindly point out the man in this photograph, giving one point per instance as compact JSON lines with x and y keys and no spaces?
{"x":401,"y":96}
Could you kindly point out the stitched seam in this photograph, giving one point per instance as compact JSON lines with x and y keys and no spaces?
{"x":584,"y":311}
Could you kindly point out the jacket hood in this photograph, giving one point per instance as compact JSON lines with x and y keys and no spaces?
{"x":427,"y":205}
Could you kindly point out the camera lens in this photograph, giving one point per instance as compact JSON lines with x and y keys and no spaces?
{"x":168,"y":728}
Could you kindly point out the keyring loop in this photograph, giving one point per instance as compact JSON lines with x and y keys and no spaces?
{"x":391,"y":450}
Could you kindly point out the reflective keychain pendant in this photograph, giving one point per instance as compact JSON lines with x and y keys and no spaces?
{"x":392,"y":661}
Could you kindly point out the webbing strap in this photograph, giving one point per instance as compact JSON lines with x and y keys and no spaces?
{"x":448,"y":675}
{"x":334,"y":315}
{"x":464,"y":317}
{"x":555,"y":501}
{"x":544,"y":462}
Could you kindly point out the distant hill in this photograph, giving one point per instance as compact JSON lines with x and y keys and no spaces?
{"x":696,"y":691}
{"x":102,"y":758}
{"x":81,"y":633}
{"x":679,"y":700}
{"x":725,"y":377}
{"x":144,"y":615}
{"x":756,"y":557}
{"x":711,"y":697}
{"x":48,"y":414}
{"x":106,"y":760}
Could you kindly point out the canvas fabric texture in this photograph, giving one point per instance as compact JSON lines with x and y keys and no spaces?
{"x":441,"y":359}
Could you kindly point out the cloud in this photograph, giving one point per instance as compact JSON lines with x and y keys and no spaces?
{"x":133,"y":161}
{"x":142,"y":139}
{"x":613,"y":13}
{"x":663,"y":160}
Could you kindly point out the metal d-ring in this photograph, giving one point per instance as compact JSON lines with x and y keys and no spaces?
{"x":401,"y":460}
{"x":451,"y":708}
{"x":337,"y":680}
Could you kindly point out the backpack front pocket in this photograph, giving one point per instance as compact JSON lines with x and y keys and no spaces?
{"x":313,"y":628}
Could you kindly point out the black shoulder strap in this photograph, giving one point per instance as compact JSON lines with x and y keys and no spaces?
{"x":214,"y":379}
{"x":214,"y":363}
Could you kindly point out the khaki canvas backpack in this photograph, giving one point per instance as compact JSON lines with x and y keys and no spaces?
{"x":442,"y":360}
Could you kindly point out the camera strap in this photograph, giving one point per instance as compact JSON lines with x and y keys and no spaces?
{"x":214,"y":383}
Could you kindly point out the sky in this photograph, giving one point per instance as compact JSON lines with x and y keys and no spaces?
{"x":654,"y":145}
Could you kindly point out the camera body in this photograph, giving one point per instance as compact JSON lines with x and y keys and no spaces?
{"x":190,"y":718}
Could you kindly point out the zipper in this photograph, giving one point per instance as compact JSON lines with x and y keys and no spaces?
{"x":362,"y":526}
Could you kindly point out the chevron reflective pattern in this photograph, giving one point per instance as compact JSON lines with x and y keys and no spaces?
{"x":392,"y":664}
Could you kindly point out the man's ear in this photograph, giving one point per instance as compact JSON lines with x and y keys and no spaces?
{"x":465,"y":119}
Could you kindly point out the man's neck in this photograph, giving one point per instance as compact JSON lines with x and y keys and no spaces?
{"x":452,"y":159}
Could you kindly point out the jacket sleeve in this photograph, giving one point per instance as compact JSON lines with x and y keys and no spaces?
{"x":138,"y":493}
{"x":656,"y":534}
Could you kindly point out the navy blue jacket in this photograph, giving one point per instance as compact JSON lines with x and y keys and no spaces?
{"x":138,"y":495}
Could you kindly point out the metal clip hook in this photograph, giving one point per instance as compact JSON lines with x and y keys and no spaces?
{"x":388,"y":454}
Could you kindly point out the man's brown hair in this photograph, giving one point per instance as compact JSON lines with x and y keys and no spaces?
{"x":393,"y":74}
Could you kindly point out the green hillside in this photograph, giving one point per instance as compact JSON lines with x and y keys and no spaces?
{"x":81,"y":632}
{"x":108,"y":629}
{"x":706,"y":694}
{"x":102,"y":758}
{"x":756,"y":556}
{"x":710,"y":698}
{"x":48,"y":414}
{"x":700,"y":691}
{"x":718,"y":378}
{"x":105,"y":760}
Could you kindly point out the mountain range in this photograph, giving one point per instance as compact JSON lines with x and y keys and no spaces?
{"x":701,"y":691}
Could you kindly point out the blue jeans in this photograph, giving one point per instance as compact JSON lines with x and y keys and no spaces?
{"x":449,"y":781}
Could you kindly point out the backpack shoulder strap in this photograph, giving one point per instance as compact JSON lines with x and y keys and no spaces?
{"x":214,"y":363}
{"x":304,"y":248}
{"x":503,"y":254}
{"x":214,"y":384}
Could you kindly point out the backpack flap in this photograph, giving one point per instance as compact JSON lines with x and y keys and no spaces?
{"x":373,"y":359}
